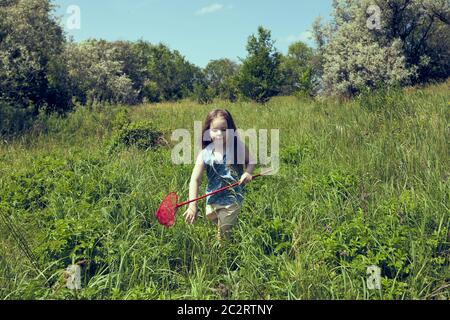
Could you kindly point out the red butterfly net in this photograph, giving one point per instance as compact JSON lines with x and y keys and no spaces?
{"x":167,"y":210}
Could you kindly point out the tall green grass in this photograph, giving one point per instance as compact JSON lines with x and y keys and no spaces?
{"x":362,"y":182}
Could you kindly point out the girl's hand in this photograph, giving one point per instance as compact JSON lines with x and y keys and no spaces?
{"x":190,"y":215}
{"x":246,"y":178}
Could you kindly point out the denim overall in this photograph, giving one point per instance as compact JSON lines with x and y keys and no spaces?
{"x":221,"y":175}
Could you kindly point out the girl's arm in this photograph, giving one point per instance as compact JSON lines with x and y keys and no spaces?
{"x":250,"y":162}
{"x":250,"y":165}
{"x":196,"y":180}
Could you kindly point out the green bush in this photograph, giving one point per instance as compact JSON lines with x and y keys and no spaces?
{"x":141,"y":135}
{"x":359,"y":243}
{"x":202,"y":94}
{"x":29,"y":187}
{"x":14,"y":120}
{"x":337,"y":184}
{"x":295,"y":154}
{"x":280,"y":232}
{"x":121,"y":119}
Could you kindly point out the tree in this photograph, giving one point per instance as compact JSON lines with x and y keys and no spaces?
{"x":98,"y":72}
{"x":403,"y":49}
{"x":132,"y":66}
{"x":259,"y":78}
{"x":202,"y":93}
{"x":217,"y":76}
{"x":354,"y":62}
{"x":299,"y":70}
{"x":169,"y":75}
{"x":128,"y":73}
{"x":31,"y":42}
{"x":423,"y":26}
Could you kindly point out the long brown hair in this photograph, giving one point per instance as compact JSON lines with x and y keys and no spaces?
{"x":206,"y":138}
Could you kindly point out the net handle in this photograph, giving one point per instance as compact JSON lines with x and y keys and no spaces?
{"x":220,"y":190}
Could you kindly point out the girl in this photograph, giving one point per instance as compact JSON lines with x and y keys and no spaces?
{"x":223,"y":158}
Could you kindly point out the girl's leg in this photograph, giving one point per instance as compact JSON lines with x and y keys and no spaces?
{"x":211,"y":214}
{"x":224,"y":232}
{"x":227,"y":216}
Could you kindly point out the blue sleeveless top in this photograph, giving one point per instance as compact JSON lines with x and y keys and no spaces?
{"x":221,"y":175}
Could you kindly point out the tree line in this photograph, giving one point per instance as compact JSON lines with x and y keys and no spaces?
{"x":43,"y":71}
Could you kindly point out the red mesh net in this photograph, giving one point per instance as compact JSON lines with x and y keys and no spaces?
{"x":166,"y":211}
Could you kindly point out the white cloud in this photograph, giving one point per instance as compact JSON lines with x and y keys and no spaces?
{"x":305,"y":36}
{"x":210,"y":9}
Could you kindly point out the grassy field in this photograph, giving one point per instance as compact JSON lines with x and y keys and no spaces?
{"x":361,"y":183}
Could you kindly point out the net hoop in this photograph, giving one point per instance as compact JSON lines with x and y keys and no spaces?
{"x":166,"y":211}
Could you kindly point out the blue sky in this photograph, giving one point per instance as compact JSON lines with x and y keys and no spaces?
{"x":201,"y":30}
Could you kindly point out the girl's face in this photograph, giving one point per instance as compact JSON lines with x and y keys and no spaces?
{"x":218,"y":130}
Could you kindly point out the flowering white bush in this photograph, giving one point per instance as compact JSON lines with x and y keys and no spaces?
{"x":372,"y":43}
{"x":353,"y":61}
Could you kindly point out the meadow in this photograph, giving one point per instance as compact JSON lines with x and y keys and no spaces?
{"x":362,"y":182}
